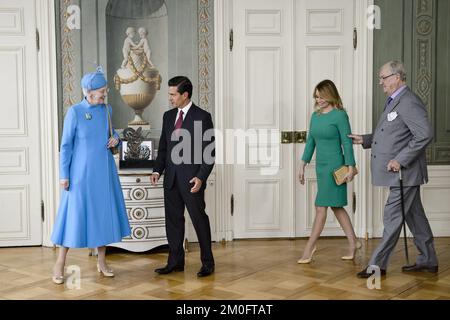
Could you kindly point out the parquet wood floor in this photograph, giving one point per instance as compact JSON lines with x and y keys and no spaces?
{"x":245,"y":269}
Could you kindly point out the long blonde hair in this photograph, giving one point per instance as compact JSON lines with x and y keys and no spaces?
{"x":329,"y":93}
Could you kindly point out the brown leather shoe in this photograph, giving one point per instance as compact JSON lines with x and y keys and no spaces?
{"x":364,"y":274}
{"x":419,"y":268}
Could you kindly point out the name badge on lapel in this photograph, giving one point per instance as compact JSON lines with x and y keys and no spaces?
{"x":391,"y":116}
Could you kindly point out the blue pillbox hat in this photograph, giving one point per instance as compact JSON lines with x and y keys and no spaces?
{"x":94,"y":80}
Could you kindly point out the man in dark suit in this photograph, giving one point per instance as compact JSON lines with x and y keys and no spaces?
{"x":186,"y":138}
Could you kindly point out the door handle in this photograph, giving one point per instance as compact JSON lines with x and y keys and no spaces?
{"x":293,"y":137}
{"x":287,"y":137}
{"x":299,"y":136}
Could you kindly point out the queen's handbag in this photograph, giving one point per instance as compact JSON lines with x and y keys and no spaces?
{"x":114,"y":150}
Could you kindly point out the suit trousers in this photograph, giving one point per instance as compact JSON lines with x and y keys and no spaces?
{"x":175,"y":200}
{"x":417,"y":223}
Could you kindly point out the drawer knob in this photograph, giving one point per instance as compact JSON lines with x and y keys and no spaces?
{"x":138,"y":180}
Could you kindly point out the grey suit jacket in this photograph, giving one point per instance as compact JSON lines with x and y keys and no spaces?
{"x":403,"y":139}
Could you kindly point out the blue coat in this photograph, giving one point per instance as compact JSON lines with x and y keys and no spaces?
{"x":92,"y":212}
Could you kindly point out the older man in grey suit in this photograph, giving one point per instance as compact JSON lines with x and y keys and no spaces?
{"x":399,"y":141}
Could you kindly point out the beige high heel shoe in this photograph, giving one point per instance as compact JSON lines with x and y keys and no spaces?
{"x":58,"y":279}
{"x":106,"y":273}
{"x":357,"y":247}
{"x":307,"y":260}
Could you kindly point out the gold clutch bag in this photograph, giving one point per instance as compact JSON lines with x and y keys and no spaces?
{"x":340,"y":173}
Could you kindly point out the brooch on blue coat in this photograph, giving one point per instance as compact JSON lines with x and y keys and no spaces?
{"x":88,"y":116}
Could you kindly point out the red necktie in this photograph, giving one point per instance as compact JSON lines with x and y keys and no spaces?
{"x":179,"y":122}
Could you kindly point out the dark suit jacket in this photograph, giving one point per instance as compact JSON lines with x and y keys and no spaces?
{"x":190,"y":149}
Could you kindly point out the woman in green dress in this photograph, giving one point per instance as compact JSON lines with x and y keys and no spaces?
{"x":329,"y":128}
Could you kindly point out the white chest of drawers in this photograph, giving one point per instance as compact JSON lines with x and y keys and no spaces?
{"x":145,"y":210}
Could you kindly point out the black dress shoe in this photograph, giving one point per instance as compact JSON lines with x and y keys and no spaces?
{"x":418,"y":268}
{"x":364,"y":274}
{"x":167,"y":269}
{"x":205,"y":271}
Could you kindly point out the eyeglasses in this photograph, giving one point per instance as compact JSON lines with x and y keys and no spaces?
{"x":384,"y":78}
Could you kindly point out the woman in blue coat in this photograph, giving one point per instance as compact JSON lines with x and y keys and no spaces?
{"x":92,"y":209}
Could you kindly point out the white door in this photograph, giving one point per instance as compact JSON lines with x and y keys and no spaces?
{"x":20,"y":192}
{"x":262,"y":100}
{"x":282,"y":49}
{"x":324,"y":50}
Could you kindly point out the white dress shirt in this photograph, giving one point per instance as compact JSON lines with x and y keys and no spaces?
{"x":185,"y":111}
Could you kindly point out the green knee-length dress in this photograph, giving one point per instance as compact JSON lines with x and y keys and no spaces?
{"x":328,"y":135}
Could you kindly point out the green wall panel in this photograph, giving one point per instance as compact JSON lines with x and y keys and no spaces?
{"x":417,"y":32}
